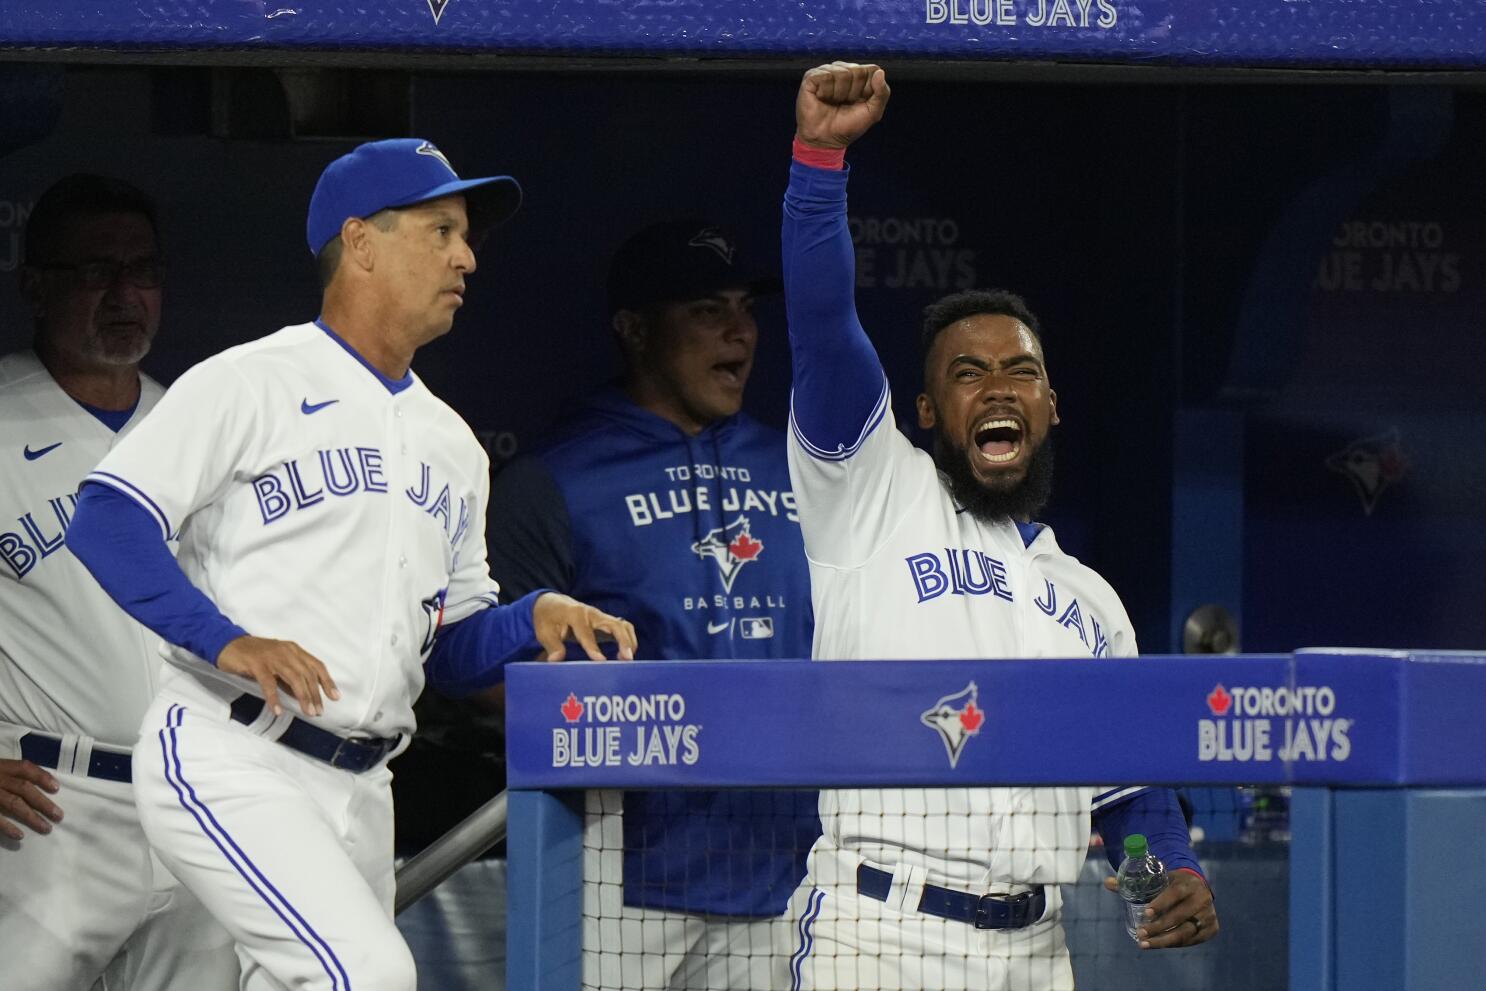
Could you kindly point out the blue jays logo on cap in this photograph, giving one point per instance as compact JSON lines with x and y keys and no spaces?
{"x":428,"y":148}
{"x":381,"y":175}
{"x":711,"y":237}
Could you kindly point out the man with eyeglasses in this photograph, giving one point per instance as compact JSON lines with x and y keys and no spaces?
{"x":82,"y":898}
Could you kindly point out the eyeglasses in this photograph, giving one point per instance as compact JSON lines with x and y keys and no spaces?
{"x":142,"y":273}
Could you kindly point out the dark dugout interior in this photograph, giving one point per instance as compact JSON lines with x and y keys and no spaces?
{"x":1262,"y":292}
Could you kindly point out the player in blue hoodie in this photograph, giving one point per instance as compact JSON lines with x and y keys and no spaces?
{"x":663,"y":502}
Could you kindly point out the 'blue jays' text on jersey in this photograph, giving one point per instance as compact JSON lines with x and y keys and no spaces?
{"x":695,"y":540}
{"x":899,"y":570}
{"x":71,"y":661}
{"x":318,"y":502}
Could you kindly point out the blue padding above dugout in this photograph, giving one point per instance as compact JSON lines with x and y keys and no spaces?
{"x":1333,"y":717}
{"x":1321,"y":33}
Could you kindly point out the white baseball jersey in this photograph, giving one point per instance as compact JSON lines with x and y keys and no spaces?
{"x":71,"y":661}
{"x":315,"y":501}
{"x":87,"y":899}
{"x":899,"y":571}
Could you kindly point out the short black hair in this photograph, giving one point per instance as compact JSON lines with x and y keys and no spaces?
{"x":82,"y":194}
{"x":974,"y":302}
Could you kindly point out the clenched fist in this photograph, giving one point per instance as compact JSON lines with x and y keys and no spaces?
{"x":839,"y":102}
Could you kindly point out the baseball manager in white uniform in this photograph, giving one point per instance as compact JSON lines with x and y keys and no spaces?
{"x":914,"y":555}
{"x":332,"y":558}
{"x":82,"y":899}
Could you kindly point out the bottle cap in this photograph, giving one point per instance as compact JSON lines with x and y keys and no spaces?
{"x":1136,"y":845}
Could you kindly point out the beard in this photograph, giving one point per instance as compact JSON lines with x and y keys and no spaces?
{"x":115,"y":347}
{"x":1018,"y":502}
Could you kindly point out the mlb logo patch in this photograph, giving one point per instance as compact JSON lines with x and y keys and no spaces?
{"x":756,"y":628}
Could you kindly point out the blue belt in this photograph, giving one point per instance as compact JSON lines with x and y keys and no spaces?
{"x":46,"y":750}
{"x":980,"y":911}
{"x":349,"y":754}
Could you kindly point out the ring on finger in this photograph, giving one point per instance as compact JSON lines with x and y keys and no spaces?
{"x":1196,"y":924}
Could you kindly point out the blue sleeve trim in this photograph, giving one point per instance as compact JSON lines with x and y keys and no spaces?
{"x":135,"y":494}
{"x":1117,"y":795}
{"x":1153,"y":812}
{"x":114,"y":538}
{"x":470,"y":656}
{"x":842,"y":452}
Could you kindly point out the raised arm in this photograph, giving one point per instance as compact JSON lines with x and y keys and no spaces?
{"x":840,"y":391}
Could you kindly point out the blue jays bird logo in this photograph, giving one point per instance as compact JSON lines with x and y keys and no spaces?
{"x":711,"y":237}
{"x":1371,"y":465}
{"x":956,"y":718}
{"x":433,"y":618}
{"x":432,"y":151}
{"x":731,"y":547}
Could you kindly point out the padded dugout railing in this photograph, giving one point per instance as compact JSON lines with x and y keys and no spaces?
{"x":1387,"y":755}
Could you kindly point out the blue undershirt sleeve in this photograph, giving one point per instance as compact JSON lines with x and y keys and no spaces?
{"x":1156,"y":813}
{"x":471,"y":655}
{"x":118,"y":541}
{"x":838,"y":379}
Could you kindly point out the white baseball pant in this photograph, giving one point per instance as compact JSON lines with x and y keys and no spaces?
{"x":294,"y":857}
{"x":845,"y":941}
{"x":89,"y":906}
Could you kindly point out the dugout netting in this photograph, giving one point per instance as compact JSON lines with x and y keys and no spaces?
{"x":1370,"y":762}
{"x":1240,"y":836}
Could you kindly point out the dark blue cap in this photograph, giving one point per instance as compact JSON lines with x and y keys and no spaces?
{"x":401,"y":172}
{"x":680,"y":260}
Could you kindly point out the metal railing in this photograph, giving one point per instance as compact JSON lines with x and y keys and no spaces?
{"x":483,"y":829}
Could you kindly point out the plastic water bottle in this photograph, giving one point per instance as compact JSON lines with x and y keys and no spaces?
{"x":1141,"y":878}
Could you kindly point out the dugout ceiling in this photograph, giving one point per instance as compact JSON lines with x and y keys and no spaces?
{"x":1399,"y":34}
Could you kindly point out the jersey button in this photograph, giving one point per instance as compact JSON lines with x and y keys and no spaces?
{"x":397,"y":413}
{"x":402,"y":562}
{"x":394,"y":639}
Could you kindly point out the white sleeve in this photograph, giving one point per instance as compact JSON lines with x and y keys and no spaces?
{"x":1122,"y":644}
{"x":852,"y":499}
{"x":470,"y":586}
{"x":186,"y":452}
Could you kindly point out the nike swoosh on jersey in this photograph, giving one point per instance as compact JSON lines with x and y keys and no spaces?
{"x":33,"y":455}
{"x":719,"y":627}
{"x":308,"y":407}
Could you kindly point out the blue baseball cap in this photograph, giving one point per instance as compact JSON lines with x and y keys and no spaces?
{"x":401,"y":172}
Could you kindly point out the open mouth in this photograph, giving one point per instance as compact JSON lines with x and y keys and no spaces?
{"x":731,"y":372}
{"x":999,"y":441}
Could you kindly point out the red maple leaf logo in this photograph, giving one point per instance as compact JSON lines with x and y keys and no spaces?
{"x":1219,"y":700}
{"x":971,"y":717}
{"x":745,"y":548}
{"x":572,"y":709}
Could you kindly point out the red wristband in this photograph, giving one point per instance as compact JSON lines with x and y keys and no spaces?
{"x":819,"y":158}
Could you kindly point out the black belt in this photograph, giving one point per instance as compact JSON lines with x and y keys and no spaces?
{"x":46,"y":750}
{"x":980,"y":911}
{"x":350,"y":754}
